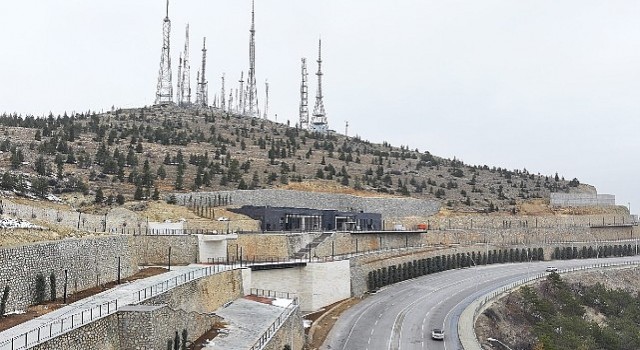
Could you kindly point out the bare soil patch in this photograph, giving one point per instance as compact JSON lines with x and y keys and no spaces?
{"x":39,"y":310}
{"x":331,"y":314}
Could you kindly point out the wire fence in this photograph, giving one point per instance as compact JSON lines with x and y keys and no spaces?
{"x":56,"y":328}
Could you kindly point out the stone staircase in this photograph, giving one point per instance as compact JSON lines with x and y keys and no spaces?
{"x":303,"y":252}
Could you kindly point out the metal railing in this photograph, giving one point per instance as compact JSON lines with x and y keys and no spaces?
{"x":272,"y":294}
{"x":53,"y":329}
{"x":159,"y":288}
{"x":277,"y":324}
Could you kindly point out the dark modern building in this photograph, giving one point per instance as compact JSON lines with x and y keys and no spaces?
{"x":305,"y":219}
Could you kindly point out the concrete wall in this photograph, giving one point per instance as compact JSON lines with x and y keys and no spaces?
{"x":316,"y":284}
{"x":214,"y":247}
{"x":582,"y":199}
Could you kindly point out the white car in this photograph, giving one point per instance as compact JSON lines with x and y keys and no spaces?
{"x":551,"y":269}
{"x":437,"y":334}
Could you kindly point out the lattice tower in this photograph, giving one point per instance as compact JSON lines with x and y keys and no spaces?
{"x":230,"y":103}
{"x":252,"y":86}
{"x":164,"y":90}
{"x":202,"y":95}
{"x":319,"y":121}
{"x":304,"y":97}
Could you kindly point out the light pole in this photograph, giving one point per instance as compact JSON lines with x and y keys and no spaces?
{"x":499,"y":342}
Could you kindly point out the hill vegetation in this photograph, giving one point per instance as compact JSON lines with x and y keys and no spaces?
{"x":147,"y":153}
{"x":556,"y":314}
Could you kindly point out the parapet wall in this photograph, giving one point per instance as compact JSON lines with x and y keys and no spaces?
{"x":389,"y":207}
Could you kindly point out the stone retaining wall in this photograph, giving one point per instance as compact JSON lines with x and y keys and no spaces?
{"x":117,"y":220}
{"x":134,"y":327}
{"x":154,"y":249}
{"x":203,"y":295}
{"x":389,"y":207}
{"x":89,"y":261}
{"x":290,"y":333}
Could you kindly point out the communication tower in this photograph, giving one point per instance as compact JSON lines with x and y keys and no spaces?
{"x":222,"y":95}
{"x":164,"y":90}
{"x":251,"y":79}
{"x":266,"y":102}
{"x":202,"y":95}
{"x":319,"y":120}
{"x":304,"y":97}
{"x":185,"y":79}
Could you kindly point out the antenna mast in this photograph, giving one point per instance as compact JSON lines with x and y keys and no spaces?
{"x":304,"y":97}
{"x":241,"y":99}
{"x":202,"y":95}
{"x":253,"y":89}
{"x":319,"y":122}
{"x":164,"y":89}
{"x":186,"y":72}
{"x":222,"y":95}
{"x":179,"y":85}
{"x":346,"y":128}
{"x":266,"y":102}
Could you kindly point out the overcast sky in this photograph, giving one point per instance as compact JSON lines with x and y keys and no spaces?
{"x":546,"y":85}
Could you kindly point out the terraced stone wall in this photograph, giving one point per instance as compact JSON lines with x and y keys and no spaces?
{"x":389,"y":207}
{"x":89,"y":261}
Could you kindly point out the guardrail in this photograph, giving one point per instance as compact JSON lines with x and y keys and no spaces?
{"x":277,"y":324}
{"x":159,"y":288}
{"x":56,"y":328}
{"x":482,"y":305}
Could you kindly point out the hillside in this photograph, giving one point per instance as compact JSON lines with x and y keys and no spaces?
{"x":151,"y":152}
{"x":590,"y":310}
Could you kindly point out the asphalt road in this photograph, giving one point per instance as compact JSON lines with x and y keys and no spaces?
{"x":401,"y":316}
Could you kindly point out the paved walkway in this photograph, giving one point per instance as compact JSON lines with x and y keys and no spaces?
{"x":60,"y":321}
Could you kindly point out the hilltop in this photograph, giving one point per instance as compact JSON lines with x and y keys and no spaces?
{"x":151,"y":152}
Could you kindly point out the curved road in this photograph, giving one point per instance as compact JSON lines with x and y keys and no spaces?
{"x":402,"y":315}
